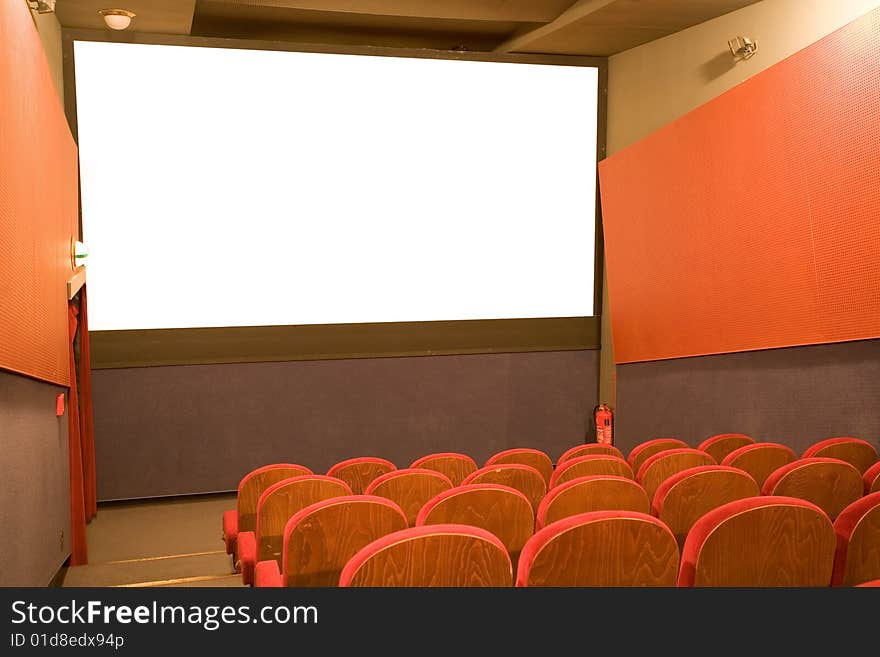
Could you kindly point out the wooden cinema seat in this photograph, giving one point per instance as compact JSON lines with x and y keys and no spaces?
{"x":860,"y":453}
{"x":410,"y":489}
{"x":276,"y":506}
{"x":830,"y":484}
{"x":662,"y":465}
{"x":251,"y":486}
{"x":871,"y":479}
{"x":525,"y":456}
{"x":586,"y":450}
{"x":724,"y":443}
{"x":760,"y":459}
{"x":600,"y":548}
{"x":686,"y":496}
{"x":524,"y":478}
{"x":501,"y":510}
{"x":360,"y":472}
{"x":452,"y":464}
{"x":431,"y":555}
{"x":321,"y":538}
{"x":586,"y":466}
{"x":593,"y":493}
{"x":757,"y":542}
{"x":857,"y":559}
{"x":640,"y":453}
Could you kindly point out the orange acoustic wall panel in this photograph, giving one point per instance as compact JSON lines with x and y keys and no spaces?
{"x":38,"y":205}
{"x":753,"y":222}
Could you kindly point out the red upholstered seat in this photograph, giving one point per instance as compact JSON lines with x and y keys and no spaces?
{"x":871,"y":584}
{"x":600,"y":548}
{"x":860,"y":453}
{"x":360,"y":472}
{"x":858,"y":542}
{"x":276,"y":506}
{"x":588,"y":449}
{"x":251,"y":486}
{"x":410,"y":489}
{"x":321,"y":538}
{"x":501,"y":510}
{"x":591,"y":493}
{"x":592,"y":464}
{"x":524,"y":478}
{"x":525,"y":456}
{"x":645,"y":450}
{"x":431,"y":555}
{"x":830,"y":484}
{"x":760,"y":541}
{"x":760,"y":459}
{"x":871,"y":479}
{"x":686,"y":496}
{"x":452,"y":464}
{"x":724,"y":443}
{"x":662,"y":465}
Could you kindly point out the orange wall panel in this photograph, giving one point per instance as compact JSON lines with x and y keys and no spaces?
{"x":753,"y":222}
{"x":38,"y":205}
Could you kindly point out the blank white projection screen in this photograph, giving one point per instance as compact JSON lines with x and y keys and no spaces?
{"x":226,"y":187}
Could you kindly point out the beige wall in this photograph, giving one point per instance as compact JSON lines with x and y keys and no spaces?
{"x":49,"y":30}
{"x":656,"y":83}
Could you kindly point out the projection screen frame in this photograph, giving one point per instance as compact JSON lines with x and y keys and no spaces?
{"x":157,"y":347}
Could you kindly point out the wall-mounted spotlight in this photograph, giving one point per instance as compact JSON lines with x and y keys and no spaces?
{"x":742,"y":47}
{"x":42,"y":6}
{"x":117,"y":19}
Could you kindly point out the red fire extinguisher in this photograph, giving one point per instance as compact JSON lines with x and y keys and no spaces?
{"x":604,"y":424}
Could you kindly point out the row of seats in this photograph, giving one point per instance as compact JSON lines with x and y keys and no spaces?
{"x":757,"y":541}
{"x":586,"y":478}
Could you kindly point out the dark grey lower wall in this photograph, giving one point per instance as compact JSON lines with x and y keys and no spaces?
{"x":35,"y":499}
{"x":199,"y":428}
{"x":795,"y":396}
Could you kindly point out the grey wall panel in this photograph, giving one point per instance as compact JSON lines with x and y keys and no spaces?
{"x":794,"y":396}
{"x":35,"y":500}
{"x":199,"y":428}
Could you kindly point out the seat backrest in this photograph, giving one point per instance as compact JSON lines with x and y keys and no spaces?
{"x":524,"y":478}
{"x":759,"y":541}
{"x":760,"y":459}
{"x":500,"y":510}
{"x":871,"y":479}
{"x":662,"y":465}
{"x":640,"y":453}
{"x":859,"y":453}
{"x":600,"y":548}
{"x":452,"y":464}
{"x":588,"y":449}
{"x":321,"y":538}
{"x":254,"y":484}
{"x":857,"y":559}
{"x":830,"y":484}
{"x":686,"y":496}
{"x":281,"y":501}
{"x":410,"y":489}
{"x":723,"y":444}
{"x":525,"y":456}
{"x":592,"y":493}
{"x":431,"y":555}
{"x":592,"y":464}
{"x":360,"y":472}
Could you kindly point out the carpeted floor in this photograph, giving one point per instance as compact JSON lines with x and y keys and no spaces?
{"x":167,"y":542}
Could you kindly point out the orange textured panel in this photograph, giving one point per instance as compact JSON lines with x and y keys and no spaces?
{"x":753,"y":222}
{"x":38,"y":205}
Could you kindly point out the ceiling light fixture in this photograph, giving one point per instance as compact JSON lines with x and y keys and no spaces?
{"x":42,"y":6}
{"x":742,"y":47}
{"x":117,"y":19}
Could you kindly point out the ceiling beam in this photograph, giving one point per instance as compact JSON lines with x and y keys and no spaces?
{"x":573,"y":14}
{"x":518,"y":11}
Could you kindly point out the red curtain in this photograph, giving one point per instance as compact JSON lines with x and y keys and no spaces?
{"x":79,"y":553}
{"x":86,"y":420}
